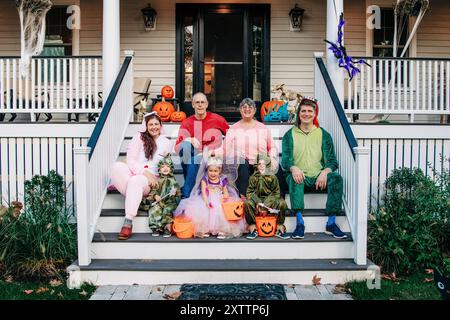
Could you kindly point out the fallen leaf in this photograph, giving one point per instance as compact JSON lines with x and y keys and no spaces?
{"x":390,"y":277}
{"x":9,"y":279}
{"x":172,"y":296}
{"x":340,"y":288}
{"x":428,"y":280}
{"x":291,"y":286}
{"x":83,"y":293}
{"x":55,"y":282}
{"x":158,"y":289}
{"x":429,"y":271}
{"x":28,"y":291}
{"x":41,"y":290}
{"x":316,"y":280}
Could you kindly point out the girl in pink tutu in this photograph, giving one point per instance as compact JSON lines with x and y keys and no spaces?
{"x":204,"y":206}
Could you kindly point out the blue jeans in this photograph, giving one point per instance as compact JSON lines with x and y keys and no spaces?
{"x":190,"y":163}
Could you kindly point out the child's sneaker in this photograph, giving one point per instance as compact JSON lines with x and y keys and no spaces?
{"x":252,"y":235}
{"x":334,"y":231}
{"x":221,"y":236}
{"x":167,"y":233}
{"x":155,"y":233}
{"x":282,"y":235}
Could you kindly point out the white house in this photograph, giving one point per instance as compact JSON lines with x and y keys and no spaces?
{"x":229,"y":50}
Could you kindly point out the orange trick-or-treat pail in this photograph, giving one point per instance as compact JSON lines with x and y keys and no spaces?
{"x":266,"y":226}
{"x":183,"y":227}
{"x":233,"y":210}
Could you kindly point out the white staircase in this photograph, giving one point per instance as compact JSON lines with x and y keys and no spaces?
{"x":144,"y":259}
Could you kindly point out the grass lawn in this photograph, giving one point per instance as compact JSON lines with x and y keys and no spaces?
{"x":414,"y":287}
{"x":54,"y":290}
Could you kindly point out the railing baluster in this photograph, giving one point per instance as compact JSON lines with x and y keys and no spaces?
{"x":386,"y":81}
{"x":374,"y":84}
{"x":405,"y":85}
{"x":435,"y":86}
{"x":368,"y":86}
{"x":441,"y":85}
{"x":14,"y":84}
{"x":393,"y":66}
{"x":83,"y":83}
{"x":380,"y":84}
{"x":430,"y":86}
{"x":2,"y":84}
{"x":447,"y":90}
{"x":46,"y":102}
{"x":64,"y":89}
{"x":58,"y":83}
{"x":51,"y":82}
{"x":424,"y":106}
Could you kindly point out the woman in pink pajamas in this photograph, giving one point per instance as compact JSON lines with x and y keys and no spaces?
{"x":134,"y":178}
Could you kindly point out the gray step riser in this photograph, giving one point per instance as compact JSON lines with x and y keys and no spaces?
{"x":312,"y":201}
{"x":290,"y":249}
{"x":140,"y":224}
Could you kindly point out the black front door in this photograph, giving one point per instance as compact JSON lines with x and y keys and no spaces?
{"x":222,"y":51}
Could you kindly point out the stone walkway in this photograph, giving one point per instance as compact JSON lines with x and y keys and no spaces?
{"x":169,"y":292}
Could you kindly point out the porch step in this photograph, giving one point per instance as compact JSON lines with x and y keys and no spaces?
{"x":144,"y":246}
{"x":287,"y":271}
{"x":114,"y":200}
{"x":111,"y":220}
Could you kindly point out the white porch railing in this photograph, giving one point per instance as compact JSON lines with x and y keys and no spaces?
{"x":400,"y":86}
{"x":93,"y":163}
{"x":353,"y":160}
{"x":54,"y":85}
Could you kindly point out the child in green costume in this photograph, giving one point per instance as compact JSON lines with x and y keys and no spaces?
{"x":263,"y":195}
{"x":164,"y":199}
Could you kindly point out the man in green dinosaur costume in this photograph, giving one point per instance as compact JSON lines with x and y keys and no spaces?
{"x":163,"y":200}
{"x":263,"y":195}
{"x":309,"y":159}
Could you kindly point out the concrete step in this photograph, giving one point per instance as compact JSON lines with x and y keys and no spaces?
{"x":111,"y":220}
{"x":137,"y":271}
{"x":114,"y":200}
{"x":144,"y":246}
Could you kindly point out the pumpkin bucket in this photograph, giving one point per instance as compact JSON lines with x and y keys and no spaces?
{"x":266,"y":225}
{"x":183,"y":228}
{"x":233,"y":210}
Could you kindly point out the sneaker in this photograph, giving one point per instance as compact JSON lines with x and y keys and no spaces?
{"x":299,"y":232}
{"x":155,"y":234}
{"x":282,"y":235}
{"x":252,"y":235}
{"x":334,"y":231}
{"x":221,"y":236}
{"x":167,"y":233}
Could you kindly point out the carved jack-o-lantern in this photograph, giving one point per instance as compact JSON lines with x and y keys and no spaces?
{"x":164,"y":110}
{"x":273,"y":117}
{"x":167,"y":92}
{"x":178,"y":115}
{"x":270,"y":106}
{"x":233,"y":210}
{"x":266,"y":226}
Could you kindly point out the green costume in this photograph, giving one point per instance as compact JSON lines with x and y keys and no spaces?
{"x":311,"y":152}
{"x":160,"y":214}
{"x":264,"y":188}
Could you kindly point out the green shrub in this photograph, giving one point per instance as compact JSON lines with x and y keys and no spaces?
{"x":410,"y":231}
{"x":38,"y":241}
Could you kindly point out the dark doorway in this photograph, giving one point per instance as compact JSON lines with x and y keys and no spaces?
{"x":223,"y":51}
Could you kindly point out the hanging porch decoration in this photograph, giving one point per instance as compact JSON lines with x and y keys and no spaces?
{"x":340,"y":52}
{"x":32,"y":23}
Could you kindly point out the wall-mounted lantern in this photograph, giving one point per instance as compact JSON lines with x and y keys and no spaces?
{"x":149,"y":15}
{"x":296,"y":18}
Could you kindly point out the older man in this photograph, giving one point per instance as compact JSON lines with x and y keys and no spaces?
{"x":309,"y":158}
{"x":203,"y":129}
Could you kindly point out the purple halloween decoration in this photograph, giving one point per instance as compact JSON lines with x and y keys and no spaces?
{"x":340,"y":52}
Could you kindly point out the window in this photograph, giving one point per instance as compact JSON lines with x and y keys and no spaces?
{"x":383,"y":38}
{"x":58,"y":38}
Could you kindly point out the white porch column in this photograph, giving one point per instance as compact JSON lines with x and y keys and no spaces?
{"x":334,"y":10}
{"x":111,"y":44}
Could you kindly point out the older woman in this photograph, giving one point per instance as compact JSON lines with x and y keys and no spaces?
{"x":134,"y":178}
{"x":245,"y":140}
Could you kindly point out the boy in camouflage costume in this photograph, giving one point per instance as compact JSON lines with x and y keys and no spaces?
{"x":263,"y":195}
{"x":165,"y":198}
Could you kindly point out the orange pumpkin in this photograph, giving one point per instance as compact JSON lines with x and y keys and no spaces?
{"x":167,"y":92}
{"x":269,"y":106}
{"x":266,"y":226}
{"x":164,"y":110}
{"x":233,"y":210}
{"x":177,"y":116}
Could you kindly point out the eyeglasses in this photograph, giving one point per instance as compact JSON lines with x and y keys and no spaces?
{"x":246,"y":106}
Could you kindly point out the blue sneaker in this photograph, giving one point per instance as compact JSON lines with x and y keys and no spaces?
{"x":282,"y":235}
{"x":299,"y":232}
{"x":252,"y":235}
{"x":334,"y":231}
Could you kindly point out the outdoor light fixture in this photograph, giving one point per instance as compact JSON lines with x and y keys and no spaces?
{"x":149,"y":18}
{"x":296,"y":18}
